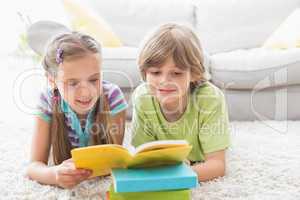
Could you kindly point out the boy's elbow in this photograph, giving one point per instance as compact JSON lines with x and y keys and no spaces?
{"x":219,"y":169}
{"x":222,"y":173}
{"x":222,"y":169}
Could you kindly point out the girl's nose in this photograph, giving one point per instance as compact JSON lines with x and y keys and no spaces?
{"x":84,"y":89}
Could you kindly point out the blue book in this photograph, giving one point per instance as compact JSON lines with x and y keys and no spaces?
{"x":172,"y":177}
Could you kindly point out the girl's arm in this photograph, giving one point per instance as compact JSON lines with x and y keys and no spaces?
{"x":118,"y":127}
{"x":213,"y":167}
{"x":64,"y":175}
{"x":40,"y":147}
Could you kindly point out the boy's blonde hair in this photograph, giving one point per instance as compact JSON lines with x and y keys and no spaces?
{"x":67,"y":47}
{"x":177,"y":41}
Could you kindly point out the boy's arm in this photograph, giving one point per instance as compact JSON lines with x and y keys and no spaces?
{"x":214,"y":137}
{"x":213,"y":167}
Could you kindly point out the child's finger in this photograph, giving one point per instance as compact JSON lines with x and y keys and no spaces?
{"x":79,"y":179}
{"x":188,"y":162}
{"x":72,"y":172}
{"x":69,"y":182}
{"x":69,"y":164}
{"x":66,"y":179}
{"x":71,"y":179}
{"x":83,"y":177}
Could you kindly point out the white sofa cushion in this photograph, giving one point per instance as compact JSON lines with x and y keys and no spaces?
{"x":132,"y":19}
{"x":231,"y":24}
{"x":120,"y":66}
{"x":258,"y":67}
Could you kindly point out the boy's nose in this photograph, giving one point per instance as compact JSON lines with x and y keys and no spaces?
{"x":165,"y":78}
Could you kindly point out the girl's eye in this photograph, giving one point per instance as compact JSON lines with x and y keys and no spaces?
{"x":177,"y":73}
{"x":72,"y":83}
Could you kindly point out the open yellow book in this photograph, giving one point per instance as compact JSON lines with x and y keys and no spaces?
{"x":102,"y":158}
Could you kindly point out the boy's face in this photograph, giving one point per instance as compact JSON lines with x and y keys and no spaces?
{"x":79,"y":82}
{"x":168,"y":83}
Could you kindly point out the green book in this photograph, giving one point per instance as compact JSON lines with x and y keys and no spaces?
{"x":157,"y":195}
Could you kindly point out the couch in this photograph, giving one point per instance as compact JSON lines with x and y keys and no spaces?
{"x":258,"y":83}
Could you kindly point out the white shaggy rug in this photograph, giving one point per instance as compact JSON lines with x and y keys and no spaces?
{"x":263,"y":163}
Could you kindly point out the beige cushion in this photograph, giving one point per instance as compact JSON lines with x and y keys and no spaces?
{"x":85,"y":20}
{"x":287,"y":35}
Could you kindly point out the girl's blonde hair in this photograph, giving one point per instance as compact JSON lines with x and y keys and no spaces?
{"x":176,"y":41}
{"x":67,"y":47}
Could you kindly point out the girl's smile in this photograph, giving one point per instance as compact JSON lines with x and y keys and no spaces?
{"x":84,"y":103}
{"x":79,"y":81}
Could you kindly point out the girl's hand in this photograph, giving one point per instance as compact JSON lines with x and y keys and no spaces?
{"x":67,"y":176}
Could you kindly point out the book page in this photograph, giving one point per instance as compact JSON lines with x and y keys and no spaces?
{"x":160,"y":144}
{"x":158,"y":157}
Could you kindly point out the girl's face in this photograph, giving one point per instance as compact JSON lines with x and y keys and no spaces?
{"x":168,"y":83}
{"x":79,"y":82}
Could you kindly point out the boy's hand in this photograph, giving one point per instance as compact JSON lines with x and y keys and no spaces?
{"x":67,"y":176}
{"x":188,"y":162}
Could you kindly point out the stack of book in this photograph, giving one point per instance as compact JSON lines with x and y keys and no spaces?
{"x":155,"y":170}
{"x":159,"y":183}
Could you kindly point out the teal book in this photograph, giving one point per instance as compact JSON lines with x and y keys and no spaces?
{"x":171,"y":177}
{"x":158,"y":195}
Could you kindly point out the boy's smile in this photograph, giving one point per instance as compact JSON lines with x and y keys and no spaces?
{"x":169,"y":84}
{"x":166,"y":90}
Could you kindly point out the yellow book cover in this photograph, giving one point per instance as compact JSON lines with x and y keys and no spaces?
{"x":102,"y":158}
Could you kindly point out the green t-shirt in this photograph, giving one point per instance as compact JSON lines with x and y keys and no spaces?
{"x":204,"y":124}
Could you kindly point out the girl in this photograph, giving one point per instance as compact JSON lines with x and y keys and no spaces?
{"x":78,"y":110}
{"x":177,"y":102}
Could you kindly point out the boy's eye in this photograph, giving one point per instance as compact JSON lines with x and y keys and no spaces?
{"x":94,"y":80}
{"x":155,"y":72}
{"x":177,"y":73}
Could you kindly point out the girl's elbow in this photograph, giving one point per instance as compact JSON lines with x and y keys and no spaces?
{"x":28,"y":171}
{"x":31,"y":168}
